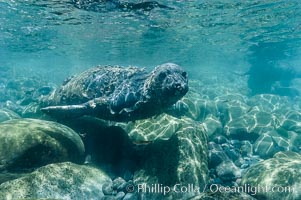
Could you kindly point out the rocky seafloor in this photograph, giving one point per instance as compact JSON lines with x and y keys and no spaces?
{"x":217,"y":137}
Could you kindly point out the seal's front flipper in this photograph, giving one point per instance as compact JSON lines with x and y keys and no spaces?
{"x":66,"y":112}
{"x":95,"y":107}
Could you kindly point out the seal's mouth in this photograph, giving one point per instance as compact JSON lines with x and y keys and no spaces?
{"x":180,"y":89}
{"x":176,"y":85}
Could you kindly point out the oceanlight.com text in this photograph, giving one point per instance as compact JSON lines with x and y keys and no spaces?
{"x":252,"y":190}
{"x":214,"y":188}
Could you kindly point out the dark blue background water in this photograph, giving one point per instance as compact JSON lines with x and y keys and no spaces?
{"x":56,"y":39}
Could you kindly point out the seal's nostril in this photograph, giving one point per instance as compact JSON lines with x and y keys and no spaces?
{"x":177,"y":85}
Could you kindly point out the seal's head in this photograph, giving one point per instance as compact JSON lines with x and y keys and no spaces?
{"x":167,"y":83}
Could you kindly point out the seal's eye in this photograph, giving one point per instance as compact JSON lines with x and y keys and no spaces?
{"x":184,"y":74}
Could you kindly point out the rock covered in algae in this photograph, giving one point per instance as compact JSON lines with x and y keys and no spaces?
{"x":29,"y":143}
{"x":6,"y":114}
{"x":195,"y":106}
{"x":231,"y":106}
{"x":149,"y":130}
{"x":285,"y":136}
{"x":251,"y":125}
{"x":176,"y":153}
{"x":281,"y":172}
{"x":292,"y":121}
{"x":274,"y":141}
{"x":57,"y":181}
{"x":269,"y":102}
{"x":212,"y":126}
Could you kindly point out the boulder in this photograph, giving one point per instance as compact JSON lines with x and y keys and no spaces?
{"x":231,"y":106}
{"x":6,"y":114}
{"x":279,"y":177}
{"x":29,"y":143}
{"x":196,"y":107}
{"x":175,"y":152}
{"x":270,"y":103}
{"x":57,"y":181}
{"x":161,"y":127}
{"x":213,"y":127}
{"x":274,"y":141}
{"x":292,"y":121}
{"x":251,"y":125}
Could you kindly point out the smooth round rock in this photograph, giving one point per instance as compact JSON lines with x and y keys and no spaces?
{"x":123,"y":187}
{"x":251,"y":125}
{"x":181,"y":158}
{"x":216,"y":157}
{"x":246,"y":148}
{"x":119,"y":195}
{"x":213,"y":126}
{"x":220,"y":139}
{"x":227,"y":171}
{"x":31,"y":143}
{"x":281,"y":172}
{"x":117,"y":182}
{"x":269,"y":102}
{"x":107,"y":189}
{"x":6,"y":114}
{"x":233,"y":154}
{"x":57,"y":181}
{"x":197,"y":108}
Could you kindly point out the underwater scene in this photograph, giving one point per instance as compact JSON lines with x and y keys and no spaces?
{"x":142,"y":99}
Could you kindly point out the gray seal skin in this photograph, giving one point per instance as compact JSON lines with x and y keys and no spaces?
{"x":118,"y":94}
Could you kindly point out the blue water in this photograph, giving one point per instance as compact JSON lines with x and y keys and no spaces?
{"x":56,"y":37}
